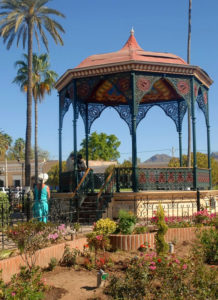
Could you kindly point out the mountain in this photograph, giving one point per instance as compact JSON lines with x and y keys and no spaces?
{"x":158,"y":158}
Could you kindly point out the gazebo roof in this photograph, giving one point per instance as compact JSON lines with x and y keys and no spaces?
{"x":131,"y":51}
{"x":132,"y":58}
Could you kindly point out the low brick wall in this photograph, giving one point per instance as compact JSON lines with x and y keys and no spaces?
{"x":11,"y":266}
{"x":133,"y":242}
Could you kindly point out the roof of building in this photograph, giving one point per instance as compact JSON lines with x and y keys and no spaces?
{"x":132,"y":57}
{"x":130,"y":51}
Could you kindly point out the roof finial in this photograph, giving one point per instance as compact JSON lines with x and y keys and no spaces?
{"x":132,"y":31}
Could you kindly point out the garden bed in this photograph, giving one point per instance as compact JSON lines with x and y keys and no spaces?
{"x":131,"y":242}
{"x":11,"y":266}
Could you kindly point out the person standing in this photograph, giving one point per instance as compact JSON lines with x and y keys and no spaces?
{"x":81,"y":167}
{"x":41,"y":197}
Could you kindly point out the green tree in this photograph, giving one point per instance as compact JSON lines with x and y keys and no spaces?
{"x":5,"y":142}
{"x":17,"y":151}
{"x":201,"y":162}
{"x":21,"y":19}
{"x":53,"y":174}
{"x":43,"y":82}
{"x":101,"y":146}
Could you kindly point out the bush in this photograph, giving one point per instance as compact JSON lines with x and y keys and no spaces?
{"x":140,"y":229}
{"x":5,"y":206}
{"x":161,"y":246}
{"x":28,"y":285}
{"x":32,"y":236}
{"x":105,"y":226}
{"x":152,"y":277}
{"x":209,"y":241}
{"x":69,"y":257}
{"x":126,"y":222}
{"x":52,"y":264}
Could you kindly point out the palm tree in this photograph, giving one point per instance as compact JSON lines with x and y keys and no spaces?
{"x":188,"y":61}
{"x":43,"y":81}
{"x":21,"y":19}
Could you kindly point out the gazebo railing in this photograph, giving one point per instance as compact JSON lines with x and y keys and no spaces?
{"x":203,"y":178}
{"x":148,"y":179}
{"x":162,"y":178}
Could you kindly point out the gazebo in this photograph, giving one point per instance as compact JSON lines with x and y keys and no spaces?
{"x":132,"y":81}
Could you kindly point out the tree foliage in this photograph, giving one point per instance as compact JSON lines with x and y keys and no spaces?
{"x":202,"y":162}
{"x":22,"y":20}
{"x":101,"y":146}
{"x":43,"y":80}
{"x":5,"y":142}
{"x":53,"y":174}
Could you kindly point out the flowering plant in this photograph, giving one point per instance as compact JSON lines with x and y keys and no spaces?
{"x":144,"y":247}
{"x":105,"y":226}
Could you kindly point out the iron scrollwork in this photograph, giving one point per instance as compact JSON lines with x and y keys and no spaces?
{"x":64,"y":106}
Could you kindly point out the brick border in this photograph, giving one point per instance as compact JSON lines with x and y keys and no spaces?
{"x":11,"y":266}
{"x":133,"y":242}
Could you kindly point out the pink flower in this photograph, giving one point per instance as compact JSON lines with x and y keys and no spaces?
{"x":99,"y":237}
{"x":185,"y":267}
{"x":152,"y":263}
{"x":177,"y":261}
{"x":152,"y":268}
{"x":13,"y":294}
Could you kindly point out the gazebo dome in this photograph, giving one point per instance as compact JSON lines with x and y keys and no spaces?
{"x":132,"y":58}
{"x":131,"y":51}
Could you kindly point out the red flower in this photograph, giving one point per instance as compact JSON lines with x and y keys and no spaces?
{"x":159,"y":260}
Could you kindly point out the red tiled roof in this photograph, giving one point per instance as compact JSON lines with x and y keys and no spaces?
{"x":130,"y":52}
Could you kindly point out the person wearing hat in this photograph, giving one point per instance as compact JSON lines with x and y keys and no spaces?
{"x":41,"y":196}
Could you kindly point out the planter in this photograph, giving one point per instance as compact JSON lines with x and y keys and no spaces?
{"x":131,"y":242}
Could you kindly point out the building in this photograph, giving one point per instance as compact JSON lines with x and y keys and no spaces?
{"x":12,"y":173}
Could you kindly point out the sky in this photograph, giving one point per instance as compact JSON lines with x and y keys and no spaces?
{"x":99,"y":26}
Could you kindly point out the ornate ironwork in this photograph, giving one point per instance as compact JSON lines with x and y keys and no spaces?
{"x":64,"y":106}
{"x":182,"y":87}
{"x":202,"y":103}
{"x":94,"y":112}
{"x":124,"y":112}
{"x":144,"y":85}
{"x":175,"y":110}
{"x":173,"y":211}
{"x":203,"y":178}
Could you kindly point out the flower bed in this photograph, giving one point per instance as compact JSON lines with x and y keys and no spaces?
{"x":131,"y":242}
{"x":11,"y":266}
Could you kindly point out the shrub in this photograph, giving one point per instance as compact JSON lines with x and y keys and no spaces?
{"x":52,"y":264}
{"x":126,"y":222}
{"x":28,"y":285}
{"x":152,"y":277}
{"x":161,"y":246}
{"x":76,"y":227}
{"x":105,"y":226}
{"x":32,"y":236}
{"x":5,"y":206}
{"x":69,"y":257}
{"x":140,"y":229}
{"x":209,"y":242}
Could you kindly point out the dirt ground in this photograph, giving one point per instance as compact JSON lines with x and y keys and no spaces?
{"x":70,"y":284}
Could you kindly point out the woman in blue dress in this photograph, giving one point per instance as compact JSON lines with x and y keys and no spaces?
{"x":41,"y":196}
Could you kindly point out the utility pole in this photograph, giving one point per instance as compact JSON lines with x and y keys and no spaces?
{"x":173,"y":152}
{"x":188,"y":61}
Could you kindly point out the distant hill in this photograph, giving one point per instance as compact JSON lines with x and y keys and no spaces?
{"x":158,"y":158}
{"x":214,"y":155}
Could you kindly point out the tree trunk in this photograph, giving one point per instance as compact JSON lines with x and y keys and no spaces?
{"x":29,"y":107}
{"x":36,"y":141}
{"x":189,"y":109}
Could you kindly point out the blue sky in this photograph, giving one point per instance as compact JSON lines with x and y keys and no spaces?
{"x":100,"y":26}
